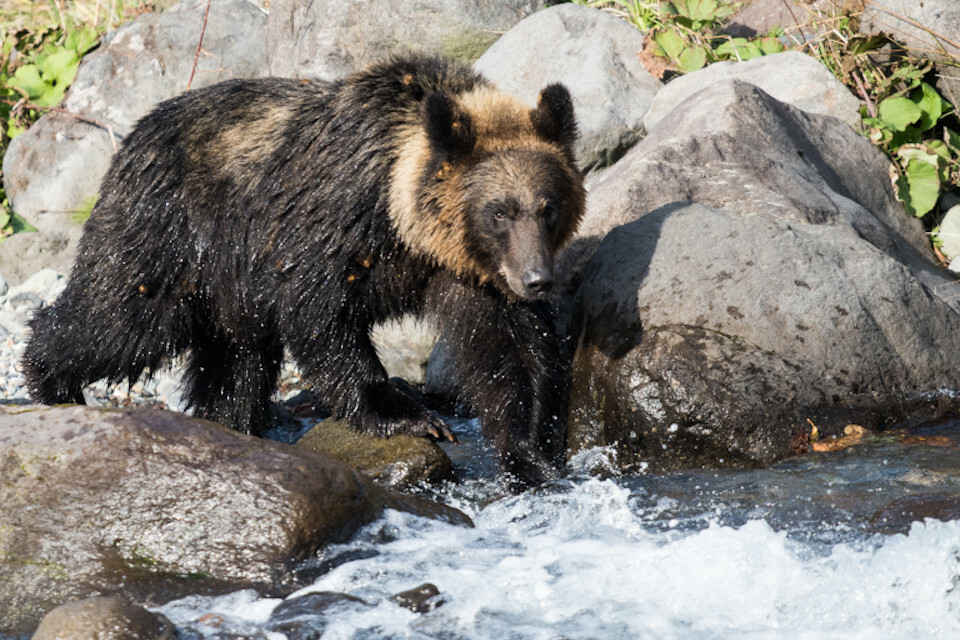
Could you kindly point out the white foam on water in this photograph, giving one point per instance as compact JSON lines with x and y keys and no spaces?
{"x":587,"y":564}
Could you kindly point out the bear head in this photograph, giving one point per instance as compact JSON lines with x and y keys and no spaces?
{"x":487,"y":186}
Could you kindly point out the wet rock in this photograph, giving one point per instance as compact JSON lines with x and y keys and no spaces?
{"x":141,"y":63}
{"x":422,"y":599}
{"x":302,"y":618}
{"x":594,"y":54}
{"x":158,"y":505}
{"x":899,"y":515}
{"x":328,"y":39}
{"x":104,"y":618}
{"x":709,"y":334}
{"x":791,"y":77}
{"x":398,"y":462}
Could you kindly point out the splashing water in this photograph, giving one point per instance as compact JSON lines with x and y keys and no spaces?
{"x":781,"y":553}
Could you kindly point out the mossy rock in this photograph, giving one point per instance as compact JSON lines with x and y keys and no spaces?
{"x":398,"y":462}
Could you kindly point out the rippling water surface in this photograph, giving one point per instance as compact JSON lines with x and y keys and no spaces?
{"x":796,"y":551}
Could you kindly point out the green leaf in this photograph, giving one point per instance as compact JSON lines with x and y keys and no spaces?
{"x":4,"y":219}
{"x":931,"y":106}
{"x":27,"y":79}
{"x":13,"y":130}
{"x":60,"y":67}
{"x":51,"y":97}
{"x":919,"y":187}
{"x":20,"y":225}
{"x":700,"y":11}
{"x":770,"y":45}
{"x":739,"y":49}
{"x":898,"y":112}
{"x":82,"y":39}
{"x":692,"y":58}
{"x":862,"y":44}
{"x":670,"y":44}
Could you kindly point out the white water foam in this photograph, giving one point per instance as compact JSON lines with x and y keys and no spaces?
{"x":586,"y":563}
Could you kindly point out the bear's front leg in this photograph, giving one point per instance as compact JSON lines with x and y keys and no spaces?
{"x":511,"y":370}
{"x":393,"y":407}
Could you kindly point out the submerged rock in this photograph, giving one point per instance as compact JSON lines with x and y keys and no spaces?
{"x":400,"y":461}
{"x":104,"y":618}
{"x":797,"y":292}
{"x":157,"y":505}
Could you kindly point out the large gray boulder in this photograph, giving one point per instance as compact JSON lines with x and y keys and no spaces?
{"x":329,"y":39}
{"x":928,"y":27}
{"x":54,"y":168}
{"x":594,"y":54}
{"x":764,"y":278}
{"x":791,"y":77}
{"x":155,"y":505}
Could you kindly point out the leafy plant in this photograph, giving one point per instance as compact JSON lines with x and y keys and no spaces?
{"x":904,"y":114}
{"x":42,"y":45}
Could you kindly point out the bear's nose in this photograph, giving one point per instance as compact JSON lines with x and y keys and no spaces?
{"x":538,"y":281}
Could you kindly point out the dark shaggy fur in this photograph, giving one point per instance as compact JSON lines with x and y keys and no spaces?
{"x":261,"y":214}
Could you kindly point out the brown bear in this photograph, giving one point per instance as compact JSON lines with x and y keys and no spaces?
{"x":257,"y":215}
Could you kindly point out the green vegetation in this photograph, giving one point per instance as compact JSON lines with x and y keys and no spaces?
{"x":903,"y":114}
{"x":42,"y":44}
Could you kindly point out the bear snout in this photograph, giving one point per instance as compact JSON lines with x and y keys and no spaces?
{"x":538,"y":282}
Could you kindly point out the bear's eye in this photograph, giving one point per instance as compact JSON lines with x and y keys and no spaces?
{"x":499,"y":214}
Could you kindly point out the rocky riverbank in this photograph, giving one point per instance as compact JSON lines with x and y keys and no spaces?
{"x":744,"y":281}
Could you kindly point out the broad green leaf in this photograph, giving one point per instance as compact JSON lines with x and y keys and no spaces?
{"x":910,"y":135}
{"x":60,"y":67}
{"x":931,"y":106}
{"x":919,"y":187}
{"x":899,"y":112}
{"x":82,"y":39}
{"x":948,"y":233}
{"x":20,"y":225}
{"x":940,"y":148}
{"x":701,"y":11}
{"x":51,"y":97}
{"x":4,"y":218}
{"x":670,"y":44}
{"x":739,"y":49}
{"x":27,"y":79}
{"x":770,"y":45}
{"x":13,"y":130}
{"x":692,"y":58}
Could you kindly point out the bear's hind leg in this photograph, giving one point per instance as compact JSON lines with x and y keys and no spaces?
{"x":88,"y":335}
{"x":232,"y":383}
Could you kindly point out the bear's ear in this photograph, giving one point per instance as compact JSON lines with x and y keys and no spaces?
{"x":449,"y":129}
{"x":553,"y":117}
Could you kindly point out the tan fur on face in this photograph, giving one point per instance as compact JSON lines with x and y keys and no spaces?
{"x":500,"y":122}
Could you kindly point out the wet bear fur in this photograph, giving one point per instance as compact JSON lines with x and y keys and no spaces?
{"x":256,"y":215}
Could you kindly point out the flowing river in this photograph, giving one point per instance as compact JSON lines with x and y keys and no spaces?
{"x":810,"y":548}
